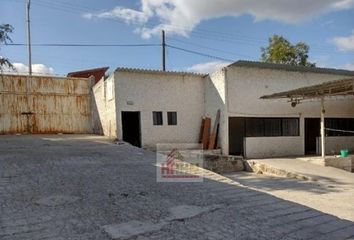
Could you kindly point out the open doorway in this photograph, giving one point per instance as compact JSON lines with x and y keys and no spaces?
{"x":236,"y":135}
{"x":312,"y":131}
{"x":131,"y":128}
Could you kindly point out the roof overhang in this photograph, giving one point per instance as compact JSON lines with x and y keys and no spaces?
{"x":344,"y":87}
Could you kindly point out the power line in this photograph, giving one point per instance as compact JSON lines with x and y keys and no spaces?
{"x":210,"y":48}
{"x":82,"y":45}
{"x":199,"y":53}
{"x":220,"y":36}
{"x":199,"y":33}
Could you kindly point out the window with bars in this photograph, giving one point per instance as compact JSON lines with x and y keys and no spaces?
{"x":339,"y":126}
{"x":271,"y":127}
{"x":172,"y":118}
{"x":157,"y":118}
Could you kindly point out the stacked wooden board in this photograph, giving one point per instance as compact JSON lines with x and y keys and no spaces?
{"x":207,"y":139}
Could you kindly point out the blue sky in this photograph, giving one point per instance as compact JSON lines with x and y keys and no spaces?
{"x":228,"y":29}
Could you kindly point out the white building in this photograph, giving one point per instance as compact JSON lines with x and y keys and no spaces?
{"x":146,"y":107}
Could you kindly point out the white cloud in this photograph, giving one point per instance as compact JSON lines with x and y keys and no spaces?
{"x":349,"y":66}
{"x":208,"y":67}
{"x":129,"y":16}
{"x":321,"y":61}
{"x":345,"y":43}
{"x":182,"y":16}
{"x":39,"y":69}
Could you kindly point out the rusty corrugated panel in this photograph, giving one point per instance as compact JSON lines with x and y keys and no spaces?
{"x":52,"y":104}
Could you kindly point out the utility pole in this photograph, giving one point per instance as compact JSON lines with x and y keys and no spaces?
{"x":28,"y":6}
{"x":163,"y":51}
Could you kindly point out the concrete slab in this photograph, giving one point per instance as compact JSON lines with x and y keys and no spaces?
{"x":344,"y":163}
{"x":303,"y":170}
{"x":131,"y":229}
{"x":326,"y":189}
{"x":187,"y":211}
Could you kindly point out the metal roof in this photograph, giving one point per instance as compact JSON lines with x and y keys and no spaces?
{"x":293,"y":68}
{"x":152,"y":71}
{"x":344,"y":87}
{"x":88,"y":71}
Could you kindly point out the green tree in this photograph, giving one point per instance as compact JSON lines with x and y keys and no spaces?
{"x":280,"y":50}
{"x":5,"y":29}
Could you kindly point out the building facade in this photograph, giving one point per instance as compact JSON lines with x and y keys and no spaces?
{"x":147,"y":107}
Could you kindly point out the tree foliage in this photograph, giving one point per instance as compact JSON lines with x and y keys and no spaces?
{"x":5,"y":30}
{"x":280,"y":50}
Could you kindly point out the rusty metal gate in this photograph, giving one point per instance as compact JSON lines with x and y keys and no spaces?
{"x":39,"y":104}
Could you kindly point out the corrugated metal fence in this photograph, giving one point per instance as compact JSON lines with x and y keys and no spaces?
{"x":40,"y":104}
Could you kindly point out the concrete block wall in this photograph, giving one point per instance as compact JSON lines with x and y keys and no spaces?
{"x":344,"y":163}
{"x":215,"y":99}
{"x":265,"y":147}
{"x":104,"y":108}
{"x":146,"y":92}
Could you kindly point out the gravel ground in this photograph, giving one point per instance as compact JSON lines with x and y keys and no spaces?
{"x":85,"y":187}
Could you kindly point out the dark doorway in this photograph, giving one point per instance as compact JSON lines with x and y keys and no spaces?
{"x":312,"y":131}
{"x":236,"y":135}
{"x":131,"y":128}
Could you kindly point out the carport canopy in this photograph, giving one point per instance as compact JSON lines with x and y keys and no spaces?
{"x":343,"y":87}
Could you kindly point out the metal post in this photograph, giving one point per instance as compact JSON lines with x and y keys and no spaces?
{"x":323,"y":148}
{"x":163,"y":51}
{"x":29,"y":38}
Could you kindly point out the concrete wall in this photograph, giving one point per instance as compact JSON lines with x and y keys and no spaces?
{"x":246,"y":85}
{"x":104,"y":108}
{"x":264,"y":147}
{"x":335,"y":144}
{"x":147,"y":92}
{"x":344,"y":163}
{"x":215,"y":98}
{"x":44,"y":104}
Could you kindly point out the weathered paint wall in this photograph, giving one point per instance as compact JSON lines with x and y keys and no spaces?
{"x":53,"y":104}
{"x":148,"y":92}
{"x":246,"y":85}
{"x":104,"y":108}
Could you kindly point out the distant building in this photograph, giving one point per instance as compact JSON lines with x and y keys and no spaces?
{"x":147,"y":107}
{"x":98,"y":73}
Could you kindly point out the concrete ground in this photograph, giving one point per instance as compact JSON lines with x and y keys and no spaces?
{"x":85,"y":187}
{"x":327,"y":189}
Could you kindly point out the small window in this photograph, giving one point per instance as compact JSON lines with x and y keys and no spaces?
{"x":157,"y":118}
{"x":172,"y":118}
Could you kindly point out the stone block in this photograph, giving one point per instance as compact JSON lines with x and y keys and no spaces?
{"x":344,"y":163}
{"x":223,"y":164}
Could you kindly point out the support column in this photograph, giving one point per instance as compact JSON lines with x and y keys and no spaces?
{"x":323,"y":147}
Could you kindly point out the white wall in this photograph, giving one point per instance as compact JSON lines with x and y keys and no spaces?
{"x":246,"y":85}
{"x":104,"y":108}
{"x":162,"y":92}
{"x":335,"y":144}
{"x":215,"y":98}
{"x":264,"y":147}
